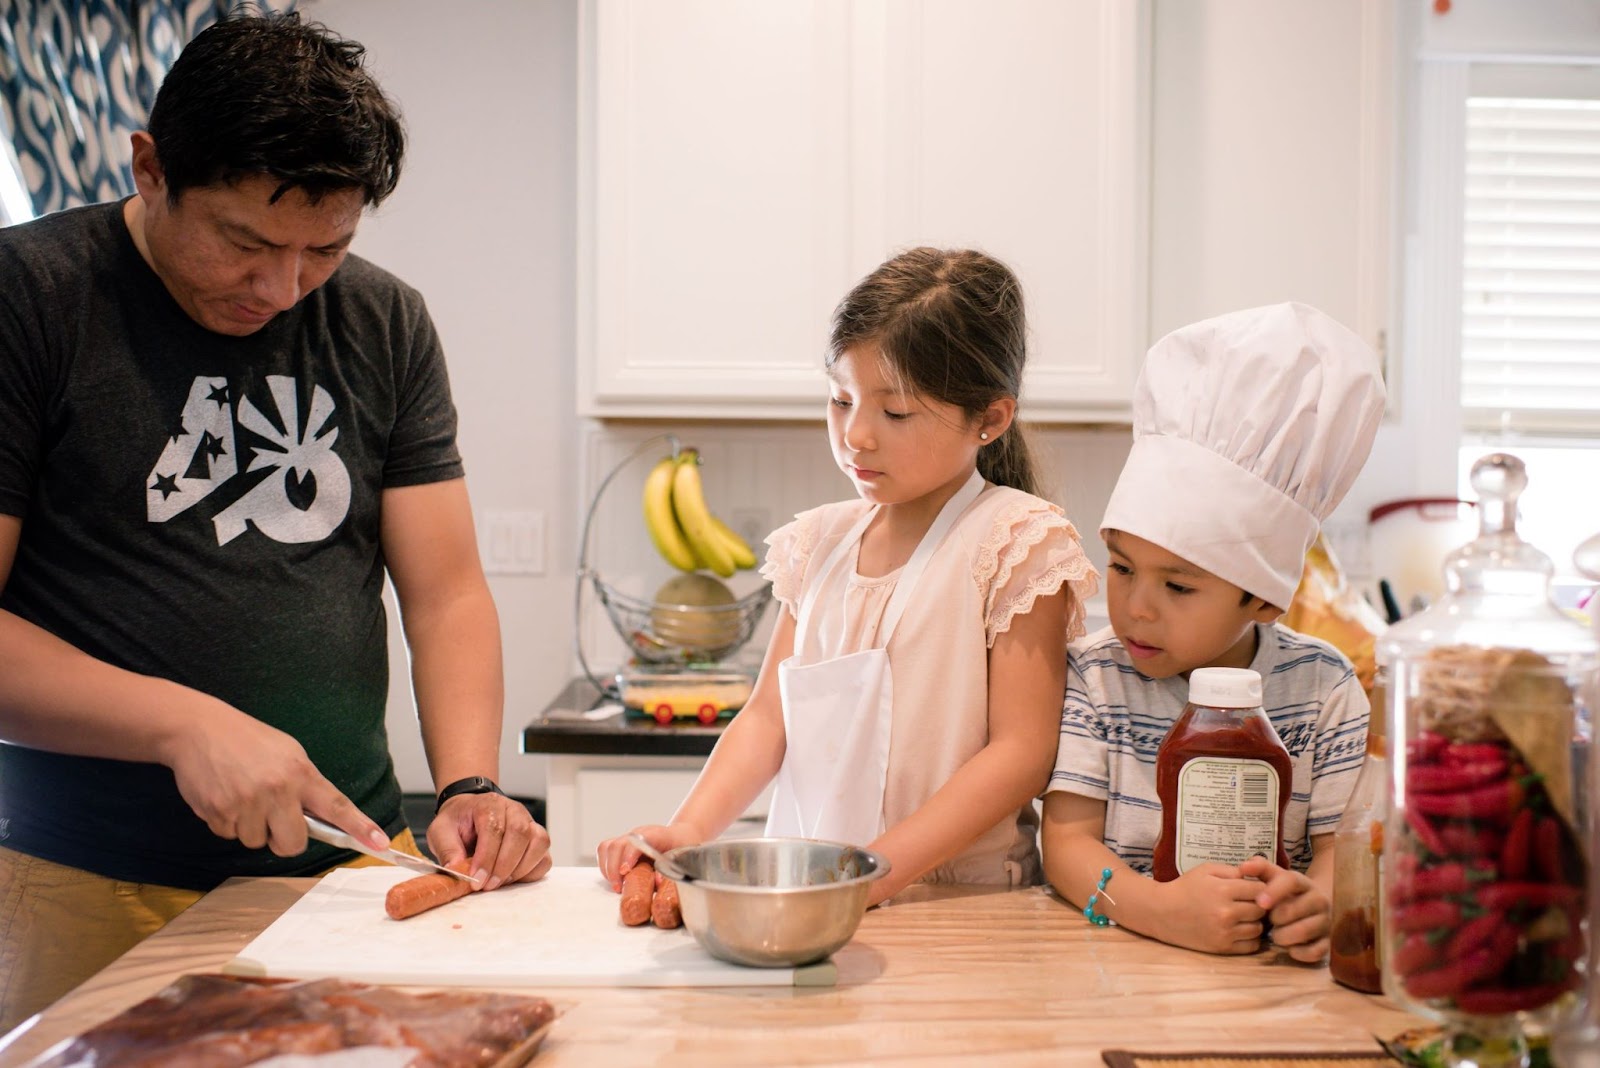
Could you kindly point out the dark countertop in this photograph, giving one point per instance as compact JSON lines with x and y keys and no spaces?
{"x":562,"y":728}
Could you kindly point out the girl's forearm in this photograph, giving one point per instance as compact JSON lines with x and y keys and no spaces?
{"x":744,"y":761}
{"x":995,"y":783}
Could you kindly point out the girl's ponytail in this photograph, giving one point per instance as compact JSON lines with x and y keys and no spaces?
{"x":1009,"y":461}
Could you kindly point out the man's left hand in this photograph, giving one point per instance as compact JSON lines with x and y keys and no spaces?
{"x":505,"y":844}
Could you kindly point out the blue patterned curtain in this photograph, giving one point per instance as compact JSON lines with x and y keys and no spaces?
{"x":78,"y":76}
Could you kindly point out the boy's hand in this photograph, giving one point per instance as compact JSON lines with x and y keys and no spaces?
{"x":1301,"y":913}
{"x":1212,"y":909}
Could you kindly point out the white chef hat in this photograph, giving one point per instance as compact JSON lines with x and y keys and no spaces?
{"x":1248,"y":429}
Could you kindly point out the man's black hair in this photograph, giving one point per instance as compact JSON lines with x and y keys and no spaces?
{"x":265,"y":94}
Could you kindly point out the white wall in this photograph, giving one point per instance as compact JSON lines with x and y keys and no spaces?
{"x":482,"y":224}
{"x":1251,"y":124}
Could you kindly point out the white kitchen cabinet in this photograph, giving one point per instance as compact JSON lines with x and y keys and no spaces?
{"x":743,"y":164}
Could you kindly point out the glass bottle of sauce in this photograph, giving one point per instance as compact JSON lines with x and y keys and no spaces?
{"x":1357,"y":845}
{"x":1223,"y":777}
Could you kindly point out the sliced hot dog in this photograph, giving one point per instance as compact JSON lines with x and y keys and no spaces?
{"x":664,"y":909}
{"x":638,"y":887}
{"x":426,"y":892}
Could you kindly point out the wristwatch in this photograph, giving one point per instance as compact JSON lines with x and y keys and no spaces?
{"x":472,"y":784}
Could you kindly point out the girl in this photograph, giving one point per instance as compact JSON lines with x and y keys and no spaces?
{"x":910,"y":698}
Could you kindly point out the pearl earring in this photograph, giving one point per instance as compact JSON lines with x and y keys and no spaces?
{"x":983,"y":436}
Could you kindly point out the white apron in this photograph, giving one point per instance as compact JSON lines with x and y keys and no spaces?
{"x":838,"y":710}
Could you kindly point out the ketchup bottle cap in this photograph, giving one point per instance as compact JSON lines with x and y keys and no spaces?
{"x":1225,"y":687}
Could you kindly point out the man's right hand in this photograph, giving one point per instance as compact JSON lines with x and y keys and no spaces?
{"x":1213,"y":909}
{"x":255,"y":783}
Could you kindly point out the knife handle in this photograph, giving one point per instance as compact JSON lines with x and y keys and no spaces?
{"x":323,"y":831}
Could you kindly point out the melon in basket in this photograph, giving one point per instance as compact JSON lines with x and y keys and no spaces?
{"x":696,"y":611}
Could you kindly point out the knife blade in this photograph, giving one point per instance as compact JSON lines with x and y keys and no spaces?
{"x":327,"y":832}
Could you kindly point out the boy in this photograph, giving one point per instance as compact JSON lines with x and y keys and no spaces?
{"x":1248,"y":430}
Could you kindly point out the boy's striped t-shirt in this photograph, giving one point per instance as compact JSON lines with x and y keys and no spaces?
{"x":1114,"y":719}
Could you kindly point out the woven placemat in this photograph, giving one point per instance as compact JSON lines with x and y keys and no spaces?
{"x":1121,"y":1058}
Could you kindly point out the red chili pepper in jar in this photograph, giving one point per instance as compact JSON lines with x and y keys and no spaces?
{"x":1518,"y":849}
{"x":1469,"y":839}
{"x":1454,"y":976}
{"x":1472,"y":934}
{"x":1547,"y":838}
{"x":1428,"y":915}
{"x":1507,"y":896}
{"x":1425,"y":832}
{"x":1440,"y":880}
{"x":1426,"y":747}
{"x":1522,"y":999}
{"x":1473,"y":753}
{"x":1452,"y":778}
{"x":1417,"y":953}
{"x":1496,"y":801}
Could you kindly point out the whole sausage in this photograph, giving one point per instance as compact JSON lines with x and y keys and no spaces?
{"x":638,"y":887}
{"x":664,"y":909}
{"x":426,"y":892}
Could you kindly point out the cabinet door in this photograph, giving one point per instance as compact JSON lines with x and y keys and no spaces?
{"x":743,"y":164}
{"x":714,"y":196}
{"x":1020,"y":127}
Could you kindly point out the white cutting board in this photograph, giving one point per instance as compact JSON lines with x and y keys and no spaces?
{"x":563,"y":930}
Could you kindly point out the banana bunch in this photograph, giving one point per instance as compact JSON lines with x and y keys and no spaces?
{"x":685,"y":532}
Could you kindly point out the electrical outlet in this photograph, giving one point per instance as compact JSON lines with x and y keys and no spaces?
{"x":753,"y":525}
{"x":511,"y":541}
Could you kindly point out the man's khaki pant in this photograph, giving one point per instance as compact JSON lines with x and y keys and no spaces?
{"x":60,"y":925}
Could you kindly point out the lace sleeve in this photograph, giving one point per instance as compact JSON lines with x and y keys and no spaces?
{"x":1030,"y":552}
{"x":788,"y":549}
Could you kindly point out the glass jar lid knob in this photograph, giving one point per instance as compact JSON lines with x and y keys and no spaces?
{"x":1499,"y":561}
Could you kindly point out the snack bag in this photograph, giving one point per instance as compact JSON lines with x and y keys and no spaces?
{"x":1326,"y":607}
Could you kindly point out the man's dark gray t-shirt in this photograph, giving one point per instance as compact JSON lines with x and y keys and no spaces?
{"x":204,"y":509}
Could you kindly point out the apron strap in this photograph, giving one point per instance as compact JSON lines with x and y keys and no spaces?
{"x":808,"y":600}
{"x":908,"y":576}
{"x":924,"y":552}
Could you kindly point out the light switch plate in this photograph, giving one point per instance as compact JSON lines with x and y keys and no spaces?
{"x":511,"y":541}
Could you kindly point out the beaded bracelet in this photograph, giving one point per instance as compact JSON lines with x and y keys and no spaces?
{"x":1088,"y":910}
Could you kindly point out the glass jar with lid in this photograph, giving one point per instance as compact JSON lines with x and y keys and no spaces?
{"x":1485,"y":882}
{"x":1579,"y":1045}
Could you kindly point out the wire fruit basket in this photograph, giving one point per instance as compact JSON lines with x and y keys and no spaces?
{"x":662,"y":632}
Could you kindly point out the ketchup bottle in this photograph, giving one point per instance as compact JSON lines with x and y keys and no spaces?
{"x":1223,"y":777}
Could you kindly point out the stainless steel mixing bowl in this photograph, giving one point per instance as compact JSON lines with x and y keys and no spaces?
{"x":775,"y":902}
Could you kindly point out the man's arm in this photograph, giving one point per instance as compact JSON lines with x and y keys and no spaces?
{"x":245,"y":779}
{"x":453,"y":633}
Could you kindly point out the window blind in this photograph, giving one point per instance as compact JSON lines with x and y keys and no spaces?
{"x":1530,"y":359}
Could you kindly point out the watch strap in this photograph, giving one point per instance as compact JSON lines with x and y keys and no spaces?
{"x":472,"y":784}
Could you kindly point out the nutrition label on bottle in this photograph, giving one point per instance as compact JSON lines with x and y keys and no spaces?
{"x":1227,"y":811}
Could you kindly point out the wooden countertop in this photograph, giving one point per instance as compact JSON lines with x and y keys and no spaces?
{"x":942,"y":976}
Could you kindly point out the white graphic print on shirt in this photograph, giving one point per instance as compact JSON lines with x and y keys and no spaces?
{"x":200,"y":456}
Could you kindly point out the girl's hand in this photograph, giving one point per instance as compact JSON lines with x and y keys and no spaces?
{"x":617,"y":856}
{"x":1301,"y":913}
{"x":1212,"y":909}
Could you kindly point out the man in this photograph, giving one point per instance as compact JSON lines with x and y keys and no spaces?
{"x":218,"y":432}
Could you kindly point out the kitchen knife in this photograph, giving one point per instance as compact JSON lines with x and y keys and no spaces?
{"x":327,"y":832}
